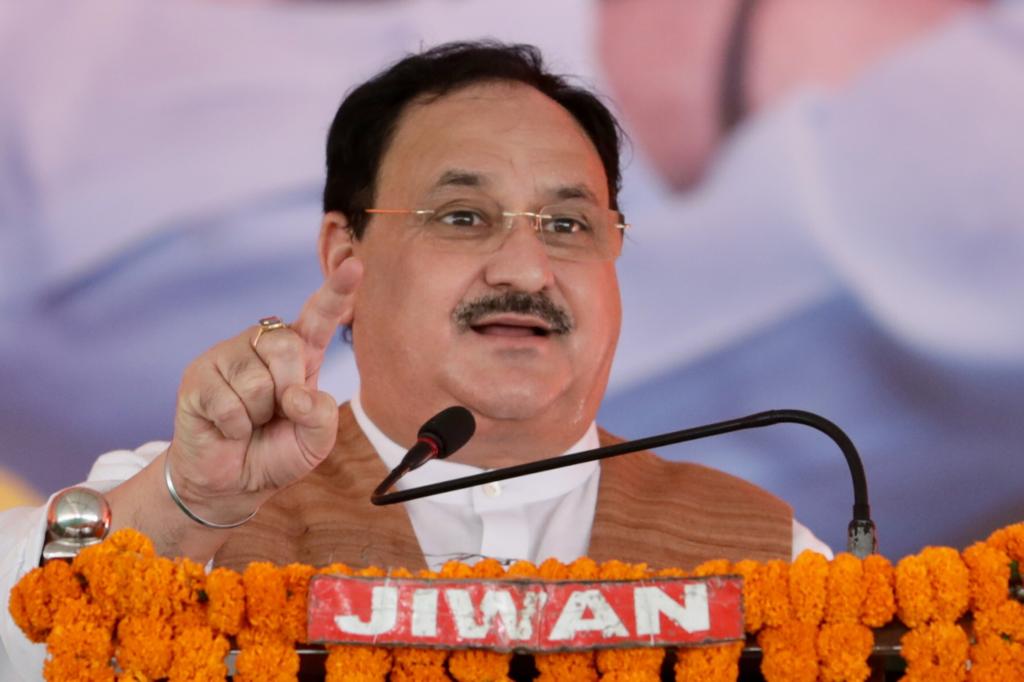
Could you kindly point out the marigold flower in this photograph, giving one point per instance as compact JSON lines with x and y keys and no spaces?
{"x":473,"y":665}
{"x":789,"y":652}
{"x":808,"y":576}
{"x":773,"y":577}
{"x":1010,"y":540}
{"x":553,"y":569}
{"x":950,"y":582}
{"x":521,"y":569}
{"x":936,"y":651}
{"x":753,"y":594}
{"x":335,"y":569}
{"x":151,"y":588}
{"x":578,"y":665}
{"x":267,"y":658}
{"x":39,"y":595}
{"x":199,"y":655}
{"x":188,"y":589}
{"x":357,"y":664}
{"x":557,"y":667}
{"x":226,"y":611}
{"x":583,"y":568}
{"x":410,"y":657}
{"x":843,"y":651}
{"x":879,"y":605}
{"x":620,"y":665}
{"x":466,"y":664}
{"x":995,"y":659}
{"x":718,"y":663}
{"x":265,"y":596}
{"x":1006,"y":620}
{"x":457,"y":570}
{"x":845,"y":589}
{"x":296,"y":583}
{"x":915,"y":596}
{"x":145,"y":646}
{"x":989,"y":569}
{"x":713,"y":567}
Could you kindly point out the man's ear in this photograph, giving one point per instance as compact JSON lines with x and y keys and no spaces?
{"x":337,"y":247}
{"x":336,"y":241}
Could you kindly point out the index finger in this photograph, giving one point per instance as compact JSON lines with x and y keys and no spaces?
{"x":329,"y":306}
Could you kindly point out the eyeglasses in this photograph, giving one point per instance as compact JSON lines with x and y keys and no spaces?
{"x":577,"y":231}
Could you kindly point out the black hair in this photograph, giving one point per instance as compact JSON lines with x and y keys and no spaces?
{"x":366,"y":119}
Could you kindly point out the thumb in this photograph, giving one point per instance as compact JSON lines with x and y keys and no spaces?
{"x":315,"y":416}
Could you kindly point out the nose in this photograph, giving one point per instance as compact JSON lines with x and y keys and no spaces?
{"x":522,"y":262}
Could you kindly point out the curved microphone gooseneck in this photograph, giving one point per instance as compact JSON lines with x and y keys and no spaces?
{"x":861,"y":539}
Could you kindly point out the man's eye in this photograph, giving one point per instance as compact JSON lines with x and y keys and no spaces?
{"x":462,"y":218}
{"x":565,"y":225}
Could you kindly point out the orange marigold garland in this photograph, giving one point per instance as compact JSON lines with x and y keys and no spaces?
{"x":39,"y":595}
{"x":753,"y":594}
{"x":916,"y":603}
{"x":266,"y":651}
{"x":808,"y":577}
{"x":933,"y":591}
{"x":296,"y":584}
{"x":843,"y":651}
{"x":356,"y":663}
{"x":879,"y":605}
{"x":774,"y":595}
{"x":80,"y":644}
{"x":1009,"y":540}
{"x":998,"y":651}
{"x":718,"y":663}
{"x":844,"y":643}
{"x":145,"y":646}
{"x":632,"y":665}
{"x":199,"y":655}
{"x":936,"y":651}
{"x":473,"y":665}
{"x":950,"y":582}
{"x":789,"y":652}
{"x":411,"y":664}
{"x":170,"y":618}
{"x":575,"y":665}
{"x":996,"y":659}
{"x":226,"y":593}
{"x":845,"y":589}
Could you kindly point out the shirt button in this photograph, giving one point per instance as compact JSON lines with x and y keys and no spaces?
{"x":492,"y":489}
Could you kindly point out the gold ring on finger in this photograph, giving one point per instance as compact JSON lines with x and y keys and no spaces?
{"x":268,"y":324}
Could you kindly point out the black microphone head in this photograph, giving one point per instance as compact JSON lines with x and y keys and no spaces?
{"x":450,"y":429}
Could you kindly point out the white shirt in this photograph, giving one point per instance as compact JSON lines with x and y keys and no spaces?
{"x":533,"y":517}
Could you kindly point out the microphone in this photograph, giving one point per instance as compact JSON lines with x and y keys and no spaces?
{"x":439,"y":437}
{"x":860,"y":540}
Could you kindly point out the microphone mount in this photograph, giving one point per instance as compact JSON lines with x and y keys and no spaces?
{"x":861,"y":538}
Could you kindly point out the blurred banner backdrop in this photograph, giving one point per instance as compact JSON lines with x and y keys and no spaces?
{"x":853,"y":245}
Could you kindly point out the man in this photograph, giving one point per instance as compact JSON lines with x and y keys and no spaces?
{"x":469,"y":239}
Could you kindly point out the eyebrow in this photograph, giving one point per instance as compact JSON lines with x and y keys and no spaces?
{"x":575,"y":192}
{"x":466,"y":178}
{"x":460,"y":178}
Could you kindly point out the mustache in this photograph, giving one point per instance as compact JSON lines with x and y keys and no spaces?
{"x":539,"y":305}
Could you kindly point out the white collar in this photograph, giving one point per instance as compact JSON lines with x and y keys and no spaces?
{"x":515,"y":492}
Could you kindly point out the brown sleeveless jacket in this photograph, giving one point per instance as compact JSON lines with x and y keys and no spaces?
{"x":668,"y":514}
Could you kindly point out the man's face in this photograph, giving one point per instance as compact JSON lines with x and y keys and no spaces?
{"x":422,"y":340}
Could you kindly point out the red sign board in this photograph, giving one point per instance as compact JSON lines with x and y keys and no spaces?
{"x":525,"y":615}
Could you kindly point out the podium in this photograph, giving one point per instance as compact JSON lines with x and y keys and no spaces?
{"x":116,"y":606}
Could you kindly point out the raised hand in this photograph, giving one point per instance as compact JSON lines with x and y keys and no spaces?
{"x":250,"y":419}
